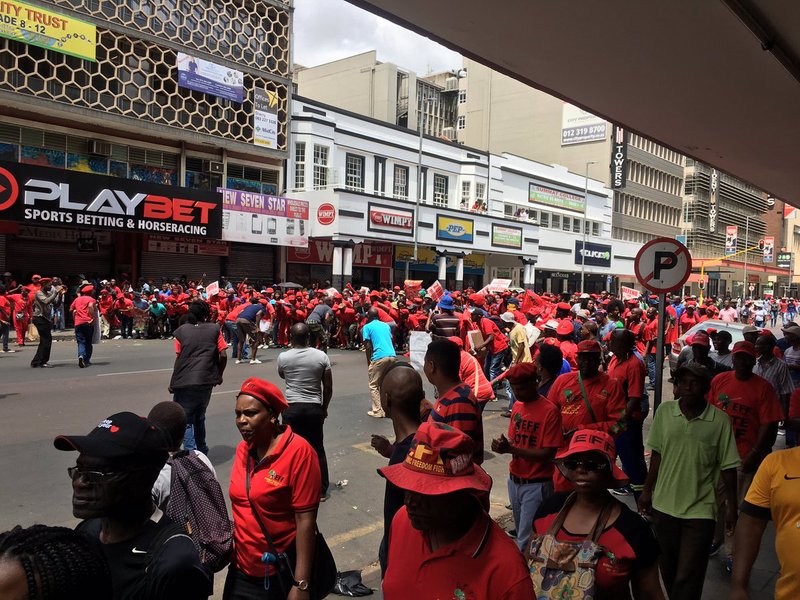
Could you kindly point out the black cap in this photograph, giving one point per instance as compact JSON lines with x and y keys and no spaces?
{"x":695,"y":369}
{"x":122,"y":435}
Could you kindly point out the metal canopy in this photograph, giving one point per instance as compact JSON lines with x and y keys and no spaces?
{"x":717,"y":80}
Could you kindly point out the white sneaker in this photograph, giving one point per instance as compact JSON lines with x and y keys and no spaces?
{"x":238,"y":362}
{"x":255,"y":362}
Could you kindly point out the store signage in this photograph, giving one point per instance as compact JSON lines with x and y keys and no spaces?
{"x":47,"y":29}
{"x":427,"y":256}
{"x":538,"y":194}
{"x":731,"y":239}
{"x":387,"y":219}
{"x":579,"y":126}
{"x":455,"y":230}
{"x":784,"y":260}
{"x":263,"y":219}
{"x":712,"y":202}
{"x":592,"y":255}
{"x":265,"y":118}
{"x":45,"y":196}
{"x":619,"y":158}
{"x":769,"y":249}
{"x":326,"y":214}
{"x":181,"y":245}
{"x":56,"y":234}
{"x":320,"y":252}
{"x":209,"y":78}
{"x":507,"y":237}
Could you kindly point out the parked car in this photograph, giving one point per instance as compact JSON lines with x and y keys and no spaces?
{"x":735,"y":329}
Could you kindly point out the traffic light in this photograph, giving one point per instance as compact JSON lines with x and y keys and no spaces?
{"x":761,"y":244}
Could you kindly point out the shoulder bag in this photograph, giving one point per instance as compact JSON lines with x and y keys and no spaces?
{"x":586,"y":399}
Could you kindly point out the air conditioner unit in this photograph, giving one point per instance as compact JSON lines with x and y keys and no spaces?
{"x":99,"y":148}
{"x":449,"y":133}
{"x":451,"y":84}
{"x":213,"y":166}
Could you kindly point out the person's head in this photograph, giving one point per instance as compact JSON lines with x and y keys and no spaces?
{"x":442,"y":362}
{"x":52,"y":563}
{"x":439,"y":478}
{"x":548,"y":361}
{"x":621,"y":342}
{"x":300,"y":335}
{"x":524,"y":380}
{"x":589,"y":358}
{"x":402,"y":392}
{"x":446,"y":304}
{"x":750,"y":334}
{"x":636,"y":315}
{"x":721,"y":340}
{"x":562,"y":310}
{"x":692,"y":382}
{"x":117,"y":464}
{"x":170,"y":417}
{"x":701,"y":345}
{"x":508,"y":321}
{"x":726,"y":304}
{"x":588,"y":331}
{"x":791,"y":332}
{"x":765,"y":344}
{"x":590,"y":463}
{"x":372,"y":314}
{"x":259,"y":404}
{"x":744,"y":359}
{"x":565,"y":330}
{"x":198,"y":312}
{"x":614,"y":309}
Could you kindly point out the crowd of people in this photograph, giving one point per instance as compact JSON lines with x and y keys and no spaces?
{"x":573,"y":369}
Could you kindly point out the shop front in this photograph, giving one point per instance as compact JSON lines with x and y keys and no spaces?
{"x":372,"y":263}
{"x":426,"y":268}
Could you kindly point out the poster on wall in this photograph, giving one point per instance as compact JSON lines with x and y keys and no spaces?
{"x":47,"y":29}
{"x":387,"y":219}
{"x":505,"y":236}
{"x":210,"y":78}
{"x":263,"y":219}
{"x":731,"y":239}
{"x":580,"y":127}
{"x":769,"y":249}
{"x":538,"y":194}
{"x":265,"y":119}
{"x":455,"y":230}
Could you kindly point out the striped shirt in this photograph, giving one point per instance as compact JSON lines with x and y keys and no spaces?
{"x":459,"y":408}
{"x":777,"y":373}
{"x":445,"y":325}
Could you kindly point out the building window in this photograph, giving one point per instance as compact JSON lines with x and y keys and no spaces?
{"x":556,"y":221}
{"x":400,"y":186}
{"x":466,"y":193}
{"x":320,"y":166}
{"x":596,"y":229}
{"x":576,"y":226}
{"x":440,"y":189}
{"x":544,"y":219}
{"x":566,"y":224}
{"x":354,"y":173}
{"x":508,"y":210}
{"x":462,"y":96}
{"x":380,"y":176}
{"x":300,"y":166}
{"x":462,"y":122}
{"x":424,"y":183}
{"x":480,"y":191}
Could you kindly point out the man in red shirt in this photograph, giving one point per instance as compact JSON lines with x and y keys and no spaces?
{"x":494,"y":341}
{"x":83,"y":314}
{"x":22,"y":308}
{"x":650,"y":337}
{"x":5,"y":318}
{"x":534,"y":435}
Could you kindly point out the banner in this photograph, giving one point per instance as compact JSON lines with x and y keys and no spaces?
{"x":498,"y":285}
{"x":712,"y":202}
{"x":209,"y":78}
{"x":628,"y":293}
{"x":365,"y":254}
{"x":212,"y":289}
{"x":265,"y":118}
{"x":425,"y":255}
{"x":538,"y":194}
{"x":506,"y":236}
{"x":436,"y":291}
{"x":47,"y":29}
{"x":769,"y":248}
{"x":579,"y":126}
{"x":263,"y":219}
{"x":387,"y":219}
{"x":619,"y":158}
{"x":455,"y":230}
{"x":412,"y":287}
{"x":731,"y":239}
{"x":44,"y":196}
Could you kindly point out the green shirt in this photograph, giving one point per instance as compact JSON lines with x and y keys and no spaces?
{"x":692,"y":455}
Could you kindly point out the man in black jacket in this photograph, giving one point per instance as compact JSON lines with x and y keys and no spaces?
{"x":199,"y":365}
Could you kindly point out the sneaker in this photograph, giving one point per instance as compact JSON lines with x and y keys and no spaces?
{"x":255,"y":361}
{"x":238,"y":362}
{"x":46,"y":366}
{"x":623,"y":491}
{"x":377,"y":415}
{"x":81,"y":362}
{"x":714,"y":549}
{"x":9,"y":351}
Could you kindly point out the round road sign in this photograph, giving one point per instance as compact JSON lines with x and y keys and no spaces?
{"x":663,"y":265}
{"x":751,"y":287}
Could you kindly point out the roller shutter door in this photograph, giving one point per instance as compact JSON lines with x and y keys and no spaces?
{"x":3,"y":253}
{"x":59,"y":259}
{"x":158,"y":265}
{"x":253,"y":261}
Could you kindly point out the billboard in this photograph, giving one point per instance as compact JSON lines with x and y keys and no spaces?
{"x":505,"y":236}
{"x":712,"y":202}
{"x":265,"y":118}
{"x":210,"y":78}
{"x":262,"y":219}
{"x":594,"y":255}
{"x":455,"y":230}
{"x":619,"y":158}
{"x":731,"y":239}
{"x":36,"y":26}
{"x":769,"y":249}
{"x":580,"y":127}
{"x":387,"y":219}
{"x":538,"y":194}
{"x":182,"y":245}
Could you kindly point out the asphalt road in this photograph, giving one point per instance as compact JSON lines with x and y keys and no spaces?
{"x":38,"y":404}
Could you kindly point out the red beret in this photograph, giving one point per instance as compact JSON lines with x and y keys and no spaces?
{"x":589,"y":346}
{"x":397,"y":288}
{"x":270,"y":291}
{"x":265,"y":392}
{"x":477,"y":299}
{"x":87,"y":289}
{"x":563,"y":306}
{"x":418,"y":300}
{"x":565,"y":328}
{"x":521,"y":372}
{"x":457,"y":341}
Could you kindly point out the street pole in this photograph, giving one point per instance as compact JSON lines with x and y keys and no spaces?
{"x":662,"y":315}
{"x":746,"y":245}
{"x":585,"y":208}
{"x":419,"y":184}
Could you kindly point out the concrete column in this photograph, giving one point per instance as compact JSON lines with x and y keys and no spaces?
{"x":528,"y":272}
{"x":460,"y":273}
{"x":336,"y":263}
{"x":442,"y":259}
{"x":347,"y":265}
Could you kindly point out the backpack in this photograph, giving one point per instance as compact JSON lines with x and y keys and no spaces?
{"x":196,"y":502}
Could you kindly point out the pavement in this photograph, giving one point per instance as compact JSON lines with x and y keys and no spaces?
{"x":38,"y":404}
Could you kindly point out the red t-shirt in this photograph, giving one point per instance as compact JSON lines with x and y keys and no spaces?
{"x":488,"y":328}
{"x":687,"y":322}
{"x":569,"y":351}
{"x":749,"y":404}
{"x":535,"y":424}
{"x":630,"y":373}
{"x":284,"y":483}
{"x":651,"y":333}
{"x":638,"y":333}
{"x":84,"y":307}
{"x":5,"y":309}
{"x":234,"y":314}
{"x":605,"y":397}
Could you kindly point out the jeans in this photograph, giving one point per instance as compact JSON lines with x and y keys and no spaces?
{"x":4,"y":328}
{"x":773,"y":315}
{"x":230,"y":327}
{"x":684,"y":553}
{"x":84,"y":335}
{"x":194,"y":401}
{"x":525,"y":499}
{"x":651,"y":369}
{"x":58,"y":318}
{"x":630,"y":449}
{"x":493,"y":364}
{"x":45,"y":328}
{"x":306,"y":420}
{"x":126,"y":326}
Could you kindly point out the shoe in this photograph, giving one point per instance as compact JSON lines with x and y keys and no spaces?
{"x":506,"y":414}
{"x":9,"y":351}
{"x":81,"y":362}
{"x":46,"y":366}
{"x":727,"y":564}
{"x":377,"y":415}
{"x":324,"y":498}
{"x":255,"y":361}
{"x":713,"y":550}
{"x":238,"y":362}
{"x":623,"y":491}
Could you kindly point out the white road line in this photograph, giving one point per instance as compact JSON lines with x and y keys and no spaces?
{"x":228,"y":392}
{"x":132,"y":372}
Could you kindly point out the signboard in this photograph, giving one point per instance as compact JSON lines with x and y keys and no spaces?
{"x":263,"y":219}
{"x":769,"y":249}
{"x":628,"y":293}
{"x":538,"y":194}
{"x":592,"y":255}
{"x":731,"y":239}
{"x":499,"y":285}
{"x":663,"y":265}
{"x":212,"y":289}
{"x":365,"y":254}
{"x":184,"y":245}
{"x":387,"y":219}
{"x":505,"y":236}
{"x":43,"y":196}
{"x":56,"y":234}
{"x":712,"y":202}
{"x":455,"y":230}
{"x":427,"y":256}
{"x":265,"y":118}
{"x":436,"y":291}
{"x":326,"y":214}
{"x":784,"y":260}
{"x":580,"y":127}
{"x":47,"y":29}
{"x":210,"y":78}
{"x":619,"y":158}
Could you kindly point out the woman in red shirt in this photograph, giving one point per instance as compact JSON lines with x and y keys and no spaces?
{"x":688,"y":318}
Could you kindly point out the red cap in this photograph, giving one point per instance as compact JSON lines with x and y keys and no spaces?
{"x":563,"y":306}
{"x":589,"y":346}
{"x":397,"y":288}
{"x":269,"y":291}
{"x":521,"y":372}
{"x":701,"y":339}
{"x":478,"y":300}
{"x":746,"y":347}
{"x":87,"y":289}
{"x":456,"y":340}
{"x":35,"y":277}
{"x":565,"y":328}
{"x":590,"y":440}
{"x":265,"y":392}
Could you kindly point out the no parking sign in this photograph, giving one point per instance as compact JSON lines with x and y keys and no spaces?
{"x":663,"y":265}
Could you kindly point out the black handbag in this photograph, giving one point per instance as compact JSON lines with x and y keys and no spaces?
{"x":323,"y":566}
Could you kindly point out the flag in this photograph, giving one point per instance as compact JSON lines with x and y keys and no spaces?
{"x":436,"y":291}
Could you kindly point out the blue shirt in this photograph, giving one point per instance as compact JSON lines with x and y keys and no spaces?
{"x":379,"y":335}
{"x":250,"y":312}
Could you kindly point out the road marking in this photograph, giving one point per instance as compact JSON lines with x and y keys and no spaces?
{"x":132,"y":372}
{"x":227,"y":392}
{"x":349,"y":536}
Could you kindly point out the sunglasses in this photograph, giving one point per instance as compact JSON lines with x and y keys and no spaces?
{"x":591,"y":466}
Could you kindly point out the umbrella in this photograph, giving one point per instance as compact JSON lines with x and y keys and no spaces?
{"x":289,"y":284}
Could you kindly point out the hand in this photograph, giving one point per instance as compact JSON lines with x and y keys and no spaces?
{"x":646,"y":503}
{"x":297,"y":594}
{"x":501,"y":445}
{"x":382,"y":445}
{"x":731,"y":516}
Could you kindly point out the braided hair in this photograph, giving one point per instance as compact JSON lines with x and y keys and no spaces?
{"x":59,"y":563}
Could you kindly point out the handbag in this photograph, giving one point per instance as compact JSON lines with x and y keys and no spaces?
{"x":566,"y":569}
{"x":323,"y":565}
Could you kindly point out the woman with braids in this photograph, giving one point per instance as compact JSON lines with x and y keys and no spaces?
{"x":51,"y":563}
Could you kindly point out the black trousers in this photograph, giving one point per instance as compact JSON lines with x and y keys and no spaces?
{"x":684,"y":553}
{"x":45,"y":328}
{"x":239,"y":586}
{"x":307,"y":419}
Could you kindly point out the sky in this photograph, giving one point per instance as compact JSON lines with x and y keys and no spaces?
{"x":326,"y":30}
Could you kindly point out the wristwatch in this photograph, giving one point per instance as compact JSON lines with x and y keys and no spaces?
{"x":301,"y":585}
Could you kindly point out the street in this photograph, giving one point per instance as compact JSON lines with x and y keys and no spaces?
{"x":38,"y":404}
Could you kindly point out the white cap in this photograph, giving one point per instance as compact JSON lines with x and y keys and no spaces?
{"x":508,"y":317}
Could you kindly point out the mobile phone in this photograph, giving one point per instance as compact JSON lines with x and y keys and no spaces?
{"x":272,"y":226}
{"x":256,"y":225}
{"x":289,"y":226}
{"x":302,"y":227}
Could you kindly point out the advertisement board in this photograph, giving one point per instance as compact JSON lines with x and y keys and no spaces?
{"x":182,"y":245}
{"x":506,"y":236}
{"x":265,"y":119}
{"x":580,"y":127}
{"x":594,"y":255}
{"x":44,"y":196}
{"x":784,"y":260}
{"x":619,"y":158}
{"x":712,"y":202}
{"x":404,"y":254}
{"x":387,"y":219}
{"x":538,"y":194}
{"x":628,"y":293}
{"x":210,"y":78}
{"x":262,"y":219}
{"x":455,"y":230}
{"x":731,"y":239}
{"x":320,"y":252}
{"x":769,"y":249}
{"x":36,"y":26}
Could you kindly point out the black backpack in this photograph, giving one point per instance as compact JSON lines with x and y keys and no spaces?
{"x":196,"y":503}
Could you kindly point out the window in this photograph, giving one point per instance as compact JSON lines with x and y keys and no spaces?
{"x":462,"y":96}
{"x":354,"y":173}
{"x":544,"y":219}
{"x":585,"y":228}
{"x":508,"y":210}
{"x":300,"y":166}
{"x":566,"y":224}
{"x":320,"y":166}
{"x":440,"y":189}
{"x":556,"y":221}
{"x":480,"y":191}
{"x":466,"y":193}
{"x":380,"y":176}
{"x":576,"y":225}
{"x":424,"y":183}
{"x":400,"y":186}
{"x":462,"y":122}
{"x":596,"y":229}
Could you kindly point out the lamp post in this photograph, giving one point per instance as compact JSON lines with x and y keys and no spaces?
{"x":746,"y":245}
{"x":585,"y":208}
{"x":420,"y":129}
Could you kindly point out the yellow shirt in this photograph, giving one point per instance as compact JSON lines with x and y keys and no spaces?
{"x":776,"y":487}
{"x":519,"y":337}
